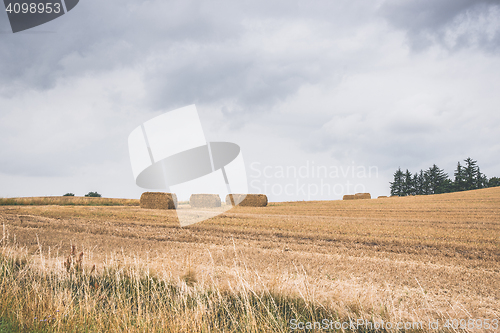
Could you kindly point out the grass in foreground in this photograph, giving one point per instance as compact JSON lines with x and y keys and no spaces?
{"x":128,"y":299}
{"x":71,"y":298}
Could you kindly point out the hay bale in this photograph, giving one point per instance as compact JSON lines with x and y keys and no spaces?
{"x":247,"y":200}
{"x":158,"y":200}
{"x":204,"y":200}
{"x":348,"y":197}
{"x":382,"y":196}
{"x":362,"y":196}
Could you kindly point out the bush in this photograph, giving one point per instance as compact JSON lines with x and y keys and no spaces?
{"x":493,"y":182}
{"x":69,"y":195}
{"x":93,"y":194}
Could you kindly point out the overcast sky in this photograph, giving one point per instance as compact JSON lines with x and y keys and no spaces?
{"x":343,"y":85}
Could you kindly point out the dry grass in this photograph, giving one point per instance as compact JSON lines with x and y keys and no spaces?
{"x":67,"y":201}
{"x":41,"y":295}
{"x":397,"y":259}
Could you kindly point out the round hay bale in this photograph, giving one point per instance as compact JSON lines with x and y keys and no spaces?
{"x":247,"y":200}
{"x":204,"y":200}
{"x":348,"y":197}
{"x":382,"y":196}
{"x":158,"y":200}
{"x":362,"y":196}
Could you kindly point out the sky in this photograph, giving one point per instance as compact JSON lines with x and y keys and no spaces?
{"x":325,"y":98}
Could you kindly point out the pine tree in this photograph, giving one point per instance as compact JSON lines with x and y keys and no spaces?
{"x":421,"y":183}
{"x":470,"y":174}
{"x":441,"y":184}
{"x":448,"y":186}
{"x":432,"y":178}
{"x":481,"y":180}
{"x":408,"y":186}
{"x":397,"y":184}
{"x":416,"y":184}
{"x":426,"y":184}
{"x":459,"y":182}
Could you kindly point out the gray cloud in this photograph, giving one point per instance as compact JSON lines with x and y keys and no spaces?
{"x":177,"y":42}
{"x":454,"y":24}
{"x":98,"y":37}
{"x":289,"y":81}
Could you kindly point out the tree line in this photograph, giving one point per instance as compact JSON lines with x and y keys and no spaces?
{"x":434,"y":180}
{"x":90,"y":194}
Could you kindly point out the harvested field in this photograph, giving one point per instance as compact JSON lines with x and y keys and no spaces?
{"x":158,"y":200}
{"x":398,"y":259}
{"x":205,"y":201}
{"x":67,"y":201}
{"x":247,"y":200}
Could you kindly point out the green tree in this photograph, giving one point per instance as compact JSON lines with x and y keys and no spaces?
{"x":417,"y":185}
{"x":408,"y":185}
{"x":397,"y":184}
{"x":459,"y":182}
{"x":425,"y":182}
{"x":93,"y":194}
{"x":470,"y":174}
{"x":437,"y":180}
{"x":69,"y":195}
{"x":481,"y":180}
{"x":448,"y":186}
{"x":493,"y":182}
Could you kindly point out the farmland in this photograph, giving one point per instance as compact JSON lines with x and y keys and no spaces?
{"x":392,"y":259}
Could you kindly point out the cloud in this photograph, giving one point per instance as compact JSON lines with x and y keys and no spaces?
{"x":289,"y":81}
{"x":424,"y":109}
{"x":453,"y":24}
{"x":78,"y":123}
{"x":102,"y":36}
{"x":253,"y":54}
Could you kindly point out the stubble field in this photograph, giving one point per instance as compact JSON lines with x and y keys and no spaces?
{"x":412,"y":259}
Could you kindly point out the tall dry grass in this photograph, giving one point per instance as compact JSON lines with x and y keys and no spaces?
{"x":43,"y":294}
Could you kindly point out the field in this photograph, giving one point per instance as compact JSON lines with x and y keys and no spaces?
{"x":67,"y":201}
{"x":397,"y":260}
